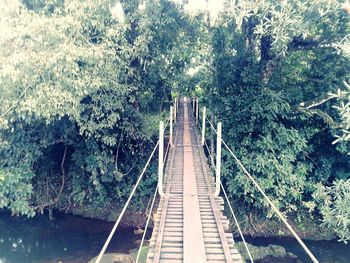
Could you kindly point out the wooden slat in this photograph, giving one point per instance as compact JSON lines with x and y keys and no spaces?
{"x":160,"y":235}
{"x":190,"y":226}
{"x":193,"y":233}
{"x":216,"y":212}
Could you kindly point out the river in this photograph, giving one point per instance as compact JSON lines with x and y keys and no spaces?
{"x":67,"y":238}
{"x":74,"y":239}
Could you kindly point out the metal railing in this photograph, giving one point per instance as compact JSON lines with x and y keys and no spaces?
{"x":160,"y":146}
{"x":217,"y":166}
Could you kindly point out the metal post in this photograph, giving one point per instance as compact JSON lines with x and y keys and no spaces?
{"x":197,"y":110}
{"x":203,"y":125}
{"x":177,"y":106}
{"x":175,"y":110}
{"x":193,"y":102}
{"x":171,"y":125}
{"x":160,"y":158}
{"x":218,"y":159}
{"x":212,"y":147}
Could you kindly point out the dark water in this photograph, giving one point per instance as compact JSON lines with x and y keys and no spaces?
{"x":67,"y":238}
{"x":75,"y":239}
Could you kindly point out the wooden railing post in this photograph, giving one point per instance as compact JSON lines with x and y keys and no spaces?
{"x":160,"y":158}
{"x":171,"y":125}
{"x":203,"y":125}
{"x":218,"y":159}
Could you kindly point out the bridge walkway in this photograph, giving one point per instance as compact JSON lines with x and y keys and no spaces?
{"x":189,"y":223}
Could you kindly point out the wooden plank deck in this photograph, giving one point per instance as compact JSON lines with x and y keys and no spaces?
{"x":189,"y":225}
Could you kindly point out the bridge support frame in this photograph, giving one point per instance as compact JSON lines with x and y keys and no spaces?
{"x":218,"y":159}
{"x":160,"y":158}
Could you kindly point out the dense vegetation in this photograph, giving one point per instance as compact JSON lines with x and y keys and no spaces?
{"x":277,"y":71}
{"x":81,"y":93}
{"x":84,"y":83}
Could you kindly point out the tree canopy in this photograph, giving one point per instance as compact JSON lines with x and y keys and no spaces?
{"x":277,"y":83}
{"x":83,"y":85}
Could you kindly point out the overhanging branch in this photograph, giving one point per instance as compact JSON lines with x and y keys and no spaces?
{"x":317,"y":101}
{"x":308,"y":107}
{"x":324,"y":116}
{"x":300,"y":43}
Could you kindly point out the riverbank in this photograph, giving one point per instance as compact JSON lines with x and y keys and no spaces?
{"x":305,"y":226}
{"x":251,"y":225}
{"x":131,"y":218}
{"x":74,"y":239}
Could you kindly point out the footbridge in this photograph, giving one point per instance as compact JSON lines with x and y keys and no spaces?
{"x":189,"y":224}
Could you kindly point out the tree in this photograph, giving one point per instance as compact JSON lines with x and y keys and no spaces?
{"x":77,"y":95}
{"x":276,"y":67}
{"x":344,"y":111}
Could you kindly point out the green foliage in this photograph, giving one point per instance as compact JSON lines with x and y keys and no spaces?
{"x":334,"y":205}
{"x":83,"y":87}
{"x":18,"y":200}
{"x":274,"y":68}
{"x":344,"y":111}
{"x":79,"y":92}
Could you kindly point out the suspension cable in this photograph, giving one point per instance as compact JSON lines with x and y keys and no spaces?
{"x":279,"y":214}
{"x":229,"y":204}
{"x":151,"y":208}
{"x":103,"y":250}
{"x":147,"y":223}
{"x":237,"y":224}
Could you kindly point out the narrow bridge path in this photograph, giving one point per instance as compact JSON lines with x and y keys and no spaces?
{"x":189,"y":224}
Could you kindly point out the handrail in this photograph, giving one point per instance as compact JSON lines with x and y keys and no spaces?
{"x":237,"y":224}
{"x":147,"y":223}
{"x":162,"y":129}
{"x":279,"y":214}
{"x":103,"y":250}
{"x":229,"y":204}
{"x":151,"y":208}
{"x":125,"y":207}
